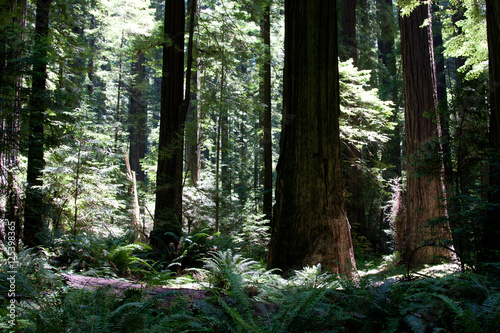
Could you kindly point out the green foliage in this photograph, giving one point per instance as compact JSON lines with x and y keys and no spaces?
{"x":224,"y":263}
{"x":93,"y":255}
{"x":242,"y":297}
{"x":364,"y":117}
{"x":407,"y":6}
{"x":467,"y":36}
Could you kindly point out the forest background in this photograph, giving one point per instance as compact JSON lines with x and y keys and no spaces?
{"x":132,"y":149}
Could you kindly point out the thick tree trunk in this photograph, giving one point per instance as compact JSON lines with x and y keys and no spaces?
{"x":137,"y":117}
{"x":424,"y":192}
{"x":310,"y":225}
{"x":33,"y":212}
{"x":492,"y":229}
{"x":168,"y":209}
{"x":267,"y":142}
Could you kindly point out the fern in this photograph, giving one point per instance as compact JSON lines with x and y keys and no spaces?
{"x":415,"y":323}
{"x":490,"y":313}
{"x":457,"y":309}
{"x":298,"y":311}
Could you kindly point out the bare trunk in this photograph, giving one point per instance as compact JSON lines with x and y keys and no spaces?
{"x":424,"y":193}
{"x":168,"y":209}
{"x":193,"y":128}
{"x":309,"y":223}
{"x":492,"y":229}
{"x":138,"y":117}
{"x":11,"y":101}
{"x":33,"y":213}
{"x":267,"y":142}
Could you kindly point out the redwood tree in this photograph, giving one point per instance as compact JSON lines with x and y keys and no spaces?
{"x":352,"y":154}
{"x":267,"y":142}
{"x":421,"y":126}
{"x":33,"y":212}
{"x":492,"y":229}
{"x":193,"y":129}
{"x":12,"y":51}
{"x":168,"y":209}
{"x":309,"y":223}
{"x":349,"y":31}
{"x":137,"y":117}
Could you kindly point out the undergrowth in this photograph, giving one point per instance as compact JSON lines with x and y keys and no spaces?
{"x":237,"y":294}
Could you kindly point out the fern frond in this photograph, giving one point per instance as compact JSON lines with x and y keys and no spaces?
{"x":415,"y":323}
{"x":451,"y":304}
{"x":490,"y":312}
{"x":298,"y":310}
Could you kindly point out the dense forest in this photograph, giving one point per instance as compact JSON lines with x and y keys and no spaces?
{"x":250,"y":166}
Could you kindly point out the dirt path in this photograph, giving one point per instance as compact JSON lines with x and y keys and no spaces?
{"x":120,"y":285}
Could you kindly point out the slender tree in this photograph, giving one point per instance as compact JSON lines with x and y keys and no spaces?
{"x":11,"y":100}
{"x":137,"y":117}
{"x":33,"y":212}
{"x":421,"y":126}
{"x":168,"y":209}
{"x":310,"y":225}
{"x":267,"y":141}
{"x":349,"y":31}
{"x":193,"y":129}
{"x":444,"y":117}
{"x":352,"y":154}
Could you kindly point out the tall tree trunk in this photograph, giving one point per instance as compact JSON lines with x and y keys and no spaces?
{"x":33,"y":212}
{"x":444,"y":117}
{"x":354,"y":171}
{"x":219,"y":149}
{"x":310,"y":225}
{"x":193,"y":128}
{"x":137,"y":117}
{"x":168,"y":209}
{"x":119,"y":88}
{"x":267,"y":141}
{"x":388,"y":87}
{"x":492,"y":229}
{"x":424,"y":192}
{"x":349,"y":31}
{"x":11,"y":101}
{"x":385,"y":17}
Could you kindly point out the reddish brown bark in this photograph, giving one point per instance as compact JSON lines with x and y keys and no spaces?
{"x":168,"y":209}
{"x":309,"y":222}
{"x":423,"y":192}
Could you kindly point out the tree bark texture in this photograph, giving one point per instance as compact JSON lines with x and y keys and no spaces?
{"x":193,"y":128}
{"x":492,"y":230}
{"x":138,"y":117}
{"x":267,"y":142}
{"x":11,"y":100}
{"x":443,"y":111}
{"x":354,"y":171}
{"x":310,"y":225}
{"x":420,"y":92}
{"x":33,"y":212}
{"x":168,"y":209}
{"x":349,"y":31}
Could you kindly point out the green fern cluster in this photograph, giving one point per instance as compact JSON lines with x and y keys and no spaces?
{"x":243,"y":297}
{"x":102,"y":256}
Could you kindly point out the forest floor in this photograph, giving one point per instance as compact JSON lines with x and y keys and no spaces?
{"x":196,"y":291}
{"x":191,"y":291}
